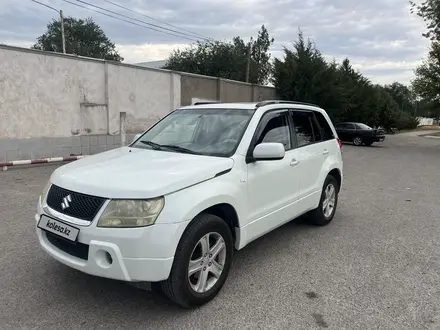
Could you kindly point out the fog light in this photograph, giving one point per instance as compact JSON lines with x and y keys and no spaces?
{"x":103,"y":259}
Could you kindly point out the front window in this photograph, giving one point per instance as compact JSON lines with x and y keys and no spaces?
{"x":210,"y":132}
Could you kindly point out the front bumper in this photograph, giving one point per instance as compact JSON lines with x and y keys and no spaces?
{"x":126,"y":254}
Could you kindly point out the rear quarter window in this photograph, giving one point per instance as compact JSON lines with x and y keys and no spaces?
{"x":327,"y":133}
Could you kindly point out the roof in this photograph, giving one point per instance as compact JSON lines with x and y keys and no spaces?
{"x":249,"y":105}
{"x":222,"y":105}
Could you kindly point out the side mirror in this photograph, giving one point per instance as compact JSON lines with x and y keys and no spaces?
{"x":269,"y":151}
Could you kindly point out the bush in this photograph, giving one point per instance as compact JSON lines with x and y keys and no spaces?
{"x":406,"y":121}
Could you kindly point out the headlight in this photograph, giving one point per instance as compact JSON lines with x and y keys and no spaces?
{"x":131,"y":213}
{"x":45,"y":191}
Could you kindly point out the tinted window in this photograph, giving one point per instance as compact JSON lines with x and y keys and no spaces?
{"x":362,"y":126}
{"x":316,"y":129}
{"x":303,"y":128}
{"x":277,"y":130}
{"x":345,"y":126}
{"x":325,"y":127}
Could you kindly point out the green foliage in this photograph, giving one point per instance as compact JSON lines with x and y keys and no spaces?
{"x":429,"y":11}
{"x":427,"y":82}
{"x":304,"y":75}
{"x":83,"y":37}
{"x":226,"y":59}
{"x":403,"y":95}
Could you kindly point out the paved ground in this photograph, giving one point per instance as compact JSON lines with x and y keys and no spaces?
{"x":376,"y":266}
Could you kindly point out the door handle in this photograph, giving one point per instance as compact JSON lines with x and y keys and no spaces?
{"x":294,"y":162}
{"x":325,"y":152}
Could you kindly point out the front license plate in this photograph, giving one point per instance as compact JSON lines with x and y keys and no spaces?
{"x":58,"y":228}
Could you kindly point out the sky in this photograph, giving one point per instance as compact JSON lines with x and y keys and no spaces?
{"x":382,"y":39}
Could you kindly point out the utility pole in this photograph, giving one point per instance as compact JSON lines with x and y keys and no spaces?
{"x":62,"y":31}
{"x":61,"y":21}
{"x":248,"y":62}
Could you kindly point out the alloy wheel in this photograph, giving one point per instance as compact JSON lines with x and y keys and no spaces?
{"x":207,"y":261}
{"x":329,"y":202}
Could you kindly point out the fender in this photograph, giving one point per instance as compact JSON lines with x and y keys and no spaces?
{"x":220,"y":190}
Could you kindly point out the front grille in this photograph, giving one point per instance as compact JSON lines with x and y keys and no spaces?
{"x":80,"y":206}
{"x":75,"y":249}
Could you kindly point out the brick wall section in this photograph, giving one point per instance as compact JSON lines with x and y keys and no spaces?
{"x":22,"y":149}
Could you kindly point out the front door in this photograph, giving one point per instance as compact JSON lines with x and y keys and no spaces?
{"x":273,"y":184}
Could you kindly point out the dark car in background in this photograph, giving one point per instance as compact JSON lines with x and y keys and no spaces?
{"x":359,"y":133}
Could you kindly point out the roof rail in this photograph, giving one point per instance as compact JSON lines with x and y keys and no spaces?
{"x":206,"y":102}
{"x":270,"y":102}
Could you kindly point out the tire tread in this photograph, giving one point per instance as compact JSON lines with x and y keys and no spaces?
{"x":170,"y":287}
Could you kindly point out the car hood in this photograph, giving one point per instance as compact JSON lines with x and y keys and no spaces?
{"x":137,"y":173}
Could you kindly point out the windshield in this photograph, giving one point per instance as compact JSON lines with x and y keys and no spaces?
{"x":363,"y":126}
{"x":210,"y":132}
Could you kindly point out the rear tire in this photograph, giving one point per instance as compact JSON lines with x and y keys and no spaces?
{"x":208,"y":273}
{"x":323,"y":214}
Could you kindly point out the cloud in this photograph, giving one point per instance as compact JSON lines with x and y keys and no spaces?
{"x":380,"y":37}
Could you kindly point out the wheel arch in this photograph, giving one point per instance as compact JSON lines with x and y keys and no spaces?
{"x":336,"y":173}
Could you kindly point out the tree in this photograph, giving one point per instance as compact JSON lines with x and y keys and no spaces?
{"x":427,"y":81}
{"x":304,"y":75}
{"x":429,"y":11}
{"x":403,"y":95}
{"x":83,"y":37}
{"x":226,"y":59}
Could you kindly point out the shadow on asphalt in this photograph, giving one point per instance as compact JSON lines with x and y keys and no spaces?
{"x":126,"y":299}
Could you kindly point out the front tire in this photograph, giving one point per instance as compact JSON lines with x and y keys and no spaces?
{"x":357,"y":141}
{"x":326,"y":209}
{"x":202,"y":262}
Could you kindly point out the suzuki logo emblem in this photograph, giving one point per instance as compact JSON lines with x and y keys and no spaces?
{"x":66,"y":200}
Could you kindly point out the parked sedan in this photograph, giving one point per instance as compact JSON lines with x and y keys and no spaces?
{"x":359,"y":133}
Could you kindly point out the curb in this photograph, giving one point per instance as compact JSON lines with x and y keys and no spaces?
{"x":5,"y":165}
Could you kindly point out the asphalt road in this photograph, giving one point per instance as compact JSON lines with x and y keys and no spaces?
{"x":376,"y":266}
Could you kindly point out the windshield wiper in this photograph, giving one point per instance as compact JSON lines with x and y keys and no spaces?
{"x":155,"y":146}
{"x":181,"y":149}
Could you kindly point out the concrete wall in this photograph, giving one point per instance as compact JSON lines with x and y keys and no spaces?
{"x":425,"y":121}
{"x":54,"y":105}
{"x":145,"y":95}
{"x":210,"y":88}
{"x":40,"y":95}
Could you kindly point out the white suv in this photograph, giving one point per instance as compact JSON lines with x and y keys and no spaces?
{"x":170,"y":208}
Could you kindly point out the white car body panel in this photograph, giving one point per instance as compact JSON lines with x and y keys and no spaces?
{"x":264,"y":196}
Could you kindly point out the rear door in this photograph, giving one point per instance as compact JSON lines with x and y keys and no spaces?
{"x":345,"y":131}
{"x":312,"y":153}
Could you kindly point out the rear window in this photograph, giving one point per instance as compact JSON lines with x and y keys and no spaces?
{"x":327,"y":133}
{"x":362,"y":126}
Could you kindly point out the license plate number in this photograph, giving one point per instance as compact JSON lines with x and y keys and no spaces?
{"x":58,"y":228}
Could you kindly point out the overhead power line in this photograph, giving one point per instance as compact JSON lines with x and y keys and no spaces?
{"x":137,"y":20}
{"x":155,"y":19}
{"x":43,"y":4}
{"x":127,"y":21}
